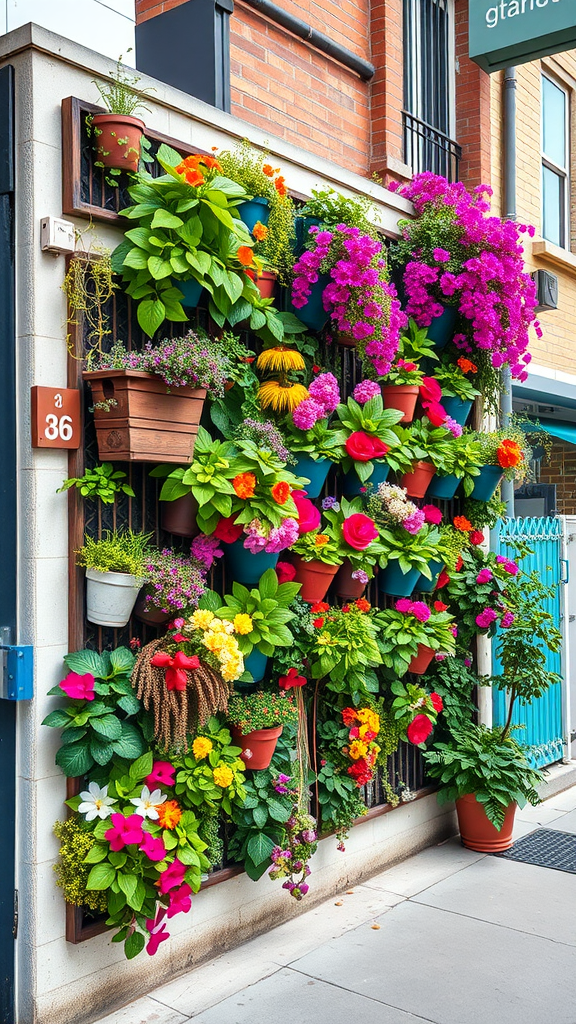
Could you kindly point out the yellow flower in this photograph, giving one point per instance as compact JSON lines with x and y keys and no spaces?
{"x":231,"y":668}
{"x":357,"y":749}
{"x":321,"y":539}
{"x":242,"y":624}
{"x":281,"y":397}
{"x":213,"y":641}
{"x":201,"y":747}
{"x":221,"y":626}
{"x":201,"y":618}
{"x":223,"y":775}
{"x":280,"y":358}
{"x":369,"y":718}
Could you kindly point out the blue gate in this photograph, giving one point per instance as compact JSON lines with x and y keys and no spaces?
{"x":543,"y":718}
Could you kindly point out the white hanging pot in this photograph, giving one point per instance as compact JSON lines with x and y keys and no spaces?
{"x":110,"y":597}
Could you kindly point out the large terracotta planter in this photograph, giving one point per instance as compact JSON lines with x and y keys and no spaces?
{"x":477,"y":832}
{"x":315,"y":578}
{"x":421,"y":661}
{"x":417,"y":482}
{"x":117,"y":139}
{"x":142,"y":420}
{"x":179,"y":516}
{"x":257,"y":747}
{"x":346,"y":587}
{"x":402,"y":397}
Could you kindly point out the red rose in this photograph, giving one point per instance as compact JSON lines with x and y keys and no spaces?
{"x":360,"y":446}
{"x":437,"y":702}
{"x":291,"y":679}
{"x":436,"y":413}
{"x":285,"y":572}
{"x":430,"y":390}
{"x":419,"y":729}
{"x":359,"y":531}
{"x":476,"y":537}
{"x":380,"y":449}
{"x":308,"y":514}
{"x":226,"y":531}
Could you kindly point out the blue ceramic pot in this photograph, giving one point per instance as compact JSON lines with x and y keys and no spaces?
{"x":313,"y":313}
{"x":302,"y":227}
{"x":486,"y":483}
{"x":393,"y":581}
{"x":316,"y":470}
{"x":427,"y":586}
{"x":244,"y":567}
{"x":192,"y":290}
{"x":254,"y":210}
{"x":441,"y":330}
{"x":457,"y":409}
{"x":352,"y":483}
{"x":256,"y":664}
{"x":443,"y":486}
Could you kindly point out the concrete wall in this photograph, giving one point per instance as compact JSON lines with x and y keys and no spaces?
{"x":59,"y":982}
{"x":105,"y":25}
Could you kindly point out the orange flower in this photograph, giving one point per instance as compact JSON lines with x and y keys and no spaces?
{"x":211,"y":162}
{"x":463,"y":524}
{"x":363,"y":605}
{"x":245,"y":255}
{"x":194,"y":178}
{"x":268,"y":170}
{"x":281,"y":492}
{"x":280,"y":185}
{"x":190,"y":161}
{"x":509,"y":454}
{"x":244,"y":485}
{"x":259,"y":231}
{"x":321,"y":540}
{"x":169,"y":814}
{"x":467,"y":366}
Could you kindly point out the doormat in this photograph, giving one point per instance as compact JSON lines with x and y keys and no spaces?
{"x":545,"y":847}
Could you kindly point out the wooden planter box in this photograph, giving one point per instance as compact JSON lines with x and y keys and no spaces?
{"x":148,"y":423}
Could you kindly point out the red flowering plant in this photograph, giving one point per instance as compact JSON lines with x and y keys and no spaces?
{"x":415,"y":711}
{"x":454,"y":253}
{"x":355,"y":533}
{"x":410,"y":625}
{"x":345,"y":651}
{"x":146,"y":853}
{"x":364,"y":430}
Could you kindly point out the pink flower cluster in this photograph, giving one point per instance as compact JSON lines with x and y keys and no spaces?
{"x":365,"y":390}
{"x":324,"y":398}
{"x":276,"y":540}
{"x":508,"y":565}
{"x":414,"y":522}
{"x":486,"y":618}
{"x":418,"y":609}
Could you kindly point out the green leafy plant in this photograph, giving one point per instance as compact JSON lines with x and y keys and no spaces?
{"x":371,"y":419}
{"x":345,"y":651}
{"x":124,"y":551}
{"x":454,"y":680}
{"x":509,"y":449}
{"x":410,"y":701}
{"x":407,"y":626}
{"x":103,"y":483}
{"x":484,"y":514}
{"x":472,"y":598}
{"x":259,"y":824}
{"x":89,"y":286}
{"x":462,"y":457}
{"x":415,"y":345}
{"x":96,"y":724}
{"x":261,"y":614}
{"x":411,"y":551}
{"x":120,"y":93}
{"x":454,"y":380}
{"x":438,"y":445}
{"x":208,"y":479}
{"x":72,"y":872}
{"x":405,"y":450}
{"x":260,"y":710}
{"x":332,"y":208}
{"x":315,"y":546}
{"x":211,"y":774}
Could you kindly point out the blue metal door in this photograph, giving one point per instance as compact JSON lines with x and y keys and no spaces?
{"x":543,"y":719}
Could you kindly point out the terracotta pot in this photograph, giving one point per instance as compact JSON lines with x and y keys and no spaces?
{"x":346,"y":341}
{"x":144,"y":421}
{"x":477,"y":832}
{"x":416,"y":482}
{"x":149,"y":613}
{"x":421,"y":661}
{"x":117,"y":140}
{"x":179,"y":516}
{"x":402,"y":397}
{"x":315,"y":578}
{"x":346,"y":587}
{"x":257,"y":747}
{"x":266,"y":284}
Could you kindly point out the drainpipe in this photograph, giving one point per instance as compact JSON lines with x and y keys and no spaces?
{"x":510,"y":213}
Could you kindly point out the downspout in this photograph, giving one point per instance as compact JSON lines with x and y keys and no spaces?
{"x":510,"y":213}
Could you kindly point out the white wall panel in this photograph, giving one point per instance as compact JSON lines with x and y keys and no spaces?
{"x":106,"y":26}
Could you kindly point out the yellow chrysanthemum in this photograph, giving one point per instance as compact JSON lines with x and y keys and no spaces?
{"x":280,"y":358}
{"x":357,"y":749}
{"x":242,"y":624}
{"x":220,"y":626}
{"x":213,"y":641}
{"x":201,"y":618}
{"x":223,"y":775}
{"x":201,"y":747}
{"x":281,"y":397}
{"x":369,"y":718}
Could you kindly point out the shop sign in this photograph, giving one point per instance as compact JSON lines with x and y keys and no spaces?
{"x":511,"y":32}
{"x":55,"y":417}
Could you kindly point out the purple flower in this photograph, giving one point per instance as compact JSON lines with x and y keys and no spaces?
{"x":420,"y":611}
{"x":486,"y":618}
{"x":324,"y":388}
{"x":330,"y":503}
{"x":307,"y":414}
{"x":361,"y":576}
{"x":507,"y":620}
{"x":206,"y":549}
{"x":454,"y":427}
{"x":283,"y":537}
{"x":365,"y":390}
{"x":414,"y":522}
{"x":441,"y":255}
{"x":468,"y":662}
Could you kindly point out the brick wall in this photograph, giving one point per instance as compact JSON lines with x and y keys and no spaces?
{"x":561,"y":471}
{"x":472,"y":108}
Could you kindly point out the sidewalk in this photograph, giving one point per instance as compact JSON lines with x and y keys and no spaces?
{"x":448,"y":937}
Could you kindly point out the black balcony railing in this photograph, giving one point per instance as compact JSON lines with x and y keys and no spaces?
{"x":428,"y":149}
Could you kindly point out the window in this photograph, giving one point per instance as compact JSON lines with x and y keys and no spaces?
{"x":555,"y":162}
{"x":429,"y":87}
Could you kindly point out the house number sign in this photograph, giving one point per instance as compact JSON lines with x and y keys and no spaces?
{"x":55,"y":417}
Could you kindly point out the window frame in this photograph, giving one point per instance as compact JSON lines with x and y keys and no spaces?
{"x":563,"y":173}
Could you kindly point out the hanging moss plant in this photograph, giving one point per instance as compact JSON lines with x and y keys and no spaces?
{"x":72,"y":872}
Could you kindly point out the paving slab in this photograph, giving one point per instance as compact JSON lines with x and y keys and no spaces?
{"x":563,"y":801}
{"x":526,"y":897}
{"x":451,"y":969}
{"x":301,"y":1000}
{"x":565,"y":823}
{"x":543,"y":814}
{"x":144,"y":1011}
{"x":425,"y":869}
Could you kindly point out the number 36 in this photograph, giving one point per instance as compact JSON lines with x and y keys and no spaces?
{"x":58,"y":427}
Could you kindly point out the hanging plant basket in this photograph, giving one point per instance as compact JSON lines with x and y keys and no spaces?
{"x":117,"y":140}
{"x":110,"y":597}
{"x":257,"y":747}
{"x":179,"y":516}
{"x":477,"y":831}
{"x":421,"y":661}
{"x":138,"y":419}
